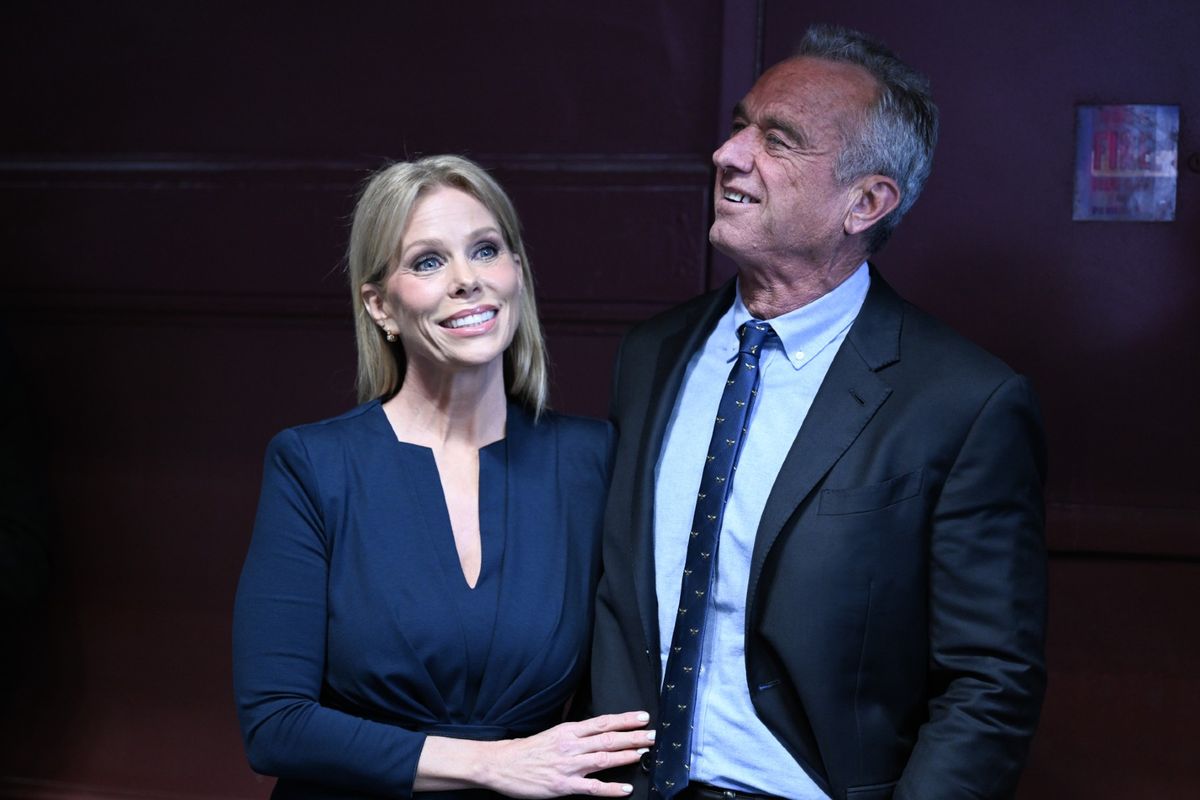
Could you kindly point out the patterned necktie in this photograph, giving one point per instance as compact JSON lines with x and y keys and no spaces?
{"x":672,"y":756}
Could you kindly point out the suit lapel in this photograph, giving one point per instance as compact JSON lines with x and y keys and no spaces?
{"x":848,"y":398}
{"x":675,"y":350}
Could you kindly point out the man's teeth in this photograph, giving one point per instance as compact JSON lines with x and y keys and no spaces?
{"x":737,"y":197}
{"x":471,"y":319}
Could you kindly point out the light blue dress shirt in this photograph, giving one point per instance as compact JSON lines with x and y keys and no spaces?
{"x":731,"y":748}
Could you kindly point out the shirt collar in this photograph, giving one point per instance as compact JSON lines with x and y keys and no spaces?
{"x":806,"y":331}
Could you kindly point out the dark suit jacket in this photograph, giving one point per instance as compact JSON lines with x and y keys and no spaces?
{"x":896,"y":607}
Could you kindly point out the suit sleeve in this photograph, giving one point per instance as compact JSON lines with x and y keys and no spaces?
{"x":279,"y":625}
{"x":987,"y":612}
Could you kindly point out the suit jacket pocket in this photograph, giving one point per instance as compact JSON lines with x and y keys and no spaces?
{"x":871,"y":497}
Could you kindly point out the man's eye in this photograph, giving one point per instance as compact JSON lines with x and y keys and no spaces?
{"x":426,"y":264}
{"x":772,"y":139}
{"x":736,"y":128}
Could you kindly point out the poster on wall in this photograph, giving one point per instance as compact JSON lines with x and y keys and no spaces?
{"x":1126,"y":161}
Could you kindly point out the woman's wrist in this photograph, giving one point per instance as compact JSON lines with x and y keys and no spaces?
{"x":447,"y":764}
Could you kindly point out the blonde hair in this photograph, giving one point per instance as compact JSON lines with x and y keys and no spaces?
{"x":380,"y":217}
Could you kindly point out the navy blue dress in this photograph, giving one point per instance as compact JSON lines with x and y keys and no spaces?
{"x":355,"y":631}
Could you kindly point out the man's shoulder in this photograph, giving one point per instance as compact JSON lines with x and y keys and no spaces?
{"x":681,"y":317}
{"x":927,"y":343}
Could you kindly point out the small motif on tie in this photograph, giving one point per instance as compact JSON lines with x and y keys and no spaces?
{"x":682,"y":611}
{"x":676,"y":745}
{"x":695,"y":533}
{"x":720,"y":479}
{"x":754,"y":392}
{"x":711,"y":517}
{"x":658,"y":762}
{"x":693,"y":631}
{"x":729,"y":442}
{"x":701,"y":496}
{"x":699,"y":593}
{"x":676,"y":648}
{"x":687,"y":572}
{"x":720,"y":420}
{"x":688,"y":670}
{"x":754,"y":350}
{"x":710,"y":458}
{"x":705,"y":555}
{"x":668,"y":783}
{"x":740,"y":403}
{"x":683,"y":706}
{"x":749,"y":366}
{"x":670,"y":686}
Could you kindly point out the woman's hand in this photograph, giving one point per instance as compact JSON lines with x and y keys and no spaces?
{"x":553,"y":763}
{"x":557,"y":762}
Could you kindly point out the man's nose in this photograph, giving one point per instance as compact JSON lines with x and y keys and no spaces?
{"x":737,"y":153}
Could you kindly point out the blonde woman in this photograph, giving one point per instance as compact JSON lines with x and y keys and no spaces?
{"x":415,"y":609}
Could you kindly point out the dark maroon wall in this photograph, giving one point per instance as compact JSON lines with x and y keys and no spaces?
{"x":175,"y":185}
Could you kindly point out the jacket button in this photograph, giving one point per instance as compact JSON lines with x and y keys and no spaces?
{"x":646,"y":761}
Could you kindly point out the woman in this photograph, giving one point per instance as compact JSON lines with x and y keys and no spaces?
{"x":416,"y":602}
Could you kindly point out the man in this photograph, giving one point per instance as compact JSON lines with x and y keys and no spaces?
{"x":840,"y":592}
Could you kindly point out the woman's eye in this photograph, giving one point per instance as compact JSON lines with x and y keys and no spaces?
{"x":487,"y":251}
{"x":426,"y":264}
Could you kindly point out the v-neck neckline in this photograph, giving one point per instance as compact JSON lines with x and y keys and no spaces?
{"x":491,"y":508}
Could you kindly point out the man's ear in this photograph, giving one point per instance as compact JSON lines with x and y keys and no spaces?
{"x":878,"y":196}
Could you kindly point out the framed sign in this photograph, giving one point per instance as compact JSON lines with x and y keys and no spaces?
{"x":1126,"y":162}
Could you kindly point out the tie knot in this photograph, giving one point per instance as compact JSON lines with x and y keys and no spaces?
{"x":752,"y":336}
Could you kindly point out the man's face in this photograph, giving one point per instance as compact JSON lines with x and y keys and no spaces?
{"x":777,"y":201}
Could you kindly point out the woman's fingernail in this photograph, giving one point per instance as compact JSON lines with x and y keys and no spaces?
{"x":642,"y":717}
{"x":650,"y":735}
{"x":626,"y":788}
{"x":641,"y":751}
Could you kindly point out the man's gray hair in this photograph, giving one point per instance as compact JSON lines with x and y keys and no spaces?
{"x":897,"y":135}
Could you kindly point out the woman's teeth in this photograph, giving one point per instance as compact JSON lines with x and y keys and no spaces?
{"x":471,"y":319}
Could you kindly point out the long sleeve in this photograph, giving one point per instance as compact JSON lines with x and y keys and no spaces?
{"x":987,"y":596}
{"x":279,"y":647}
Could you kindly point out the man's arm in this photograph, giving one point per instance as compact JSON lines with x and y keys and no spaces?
{"x":987,"y":590}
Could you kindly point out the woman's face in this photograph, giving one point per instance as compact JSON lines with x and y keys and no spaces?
{"x":452,"y":293}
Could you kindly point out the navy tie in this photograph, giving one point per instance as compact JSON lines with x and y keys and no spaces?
{"x":672,"y":755}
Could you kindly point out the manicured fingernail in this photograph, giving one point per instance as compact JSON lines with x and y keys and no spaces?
{"x":642,"y":717}
{"x":626,"y":788}
{"x":643,"y":750}
{"x":650,"y":735}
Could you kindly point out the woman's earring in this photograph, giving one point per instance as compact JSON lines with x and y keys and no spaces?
{"x":391,"y":337}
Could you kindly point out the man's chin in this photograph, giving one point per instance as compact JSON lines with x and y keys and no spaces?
{"x":723,"y":239}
